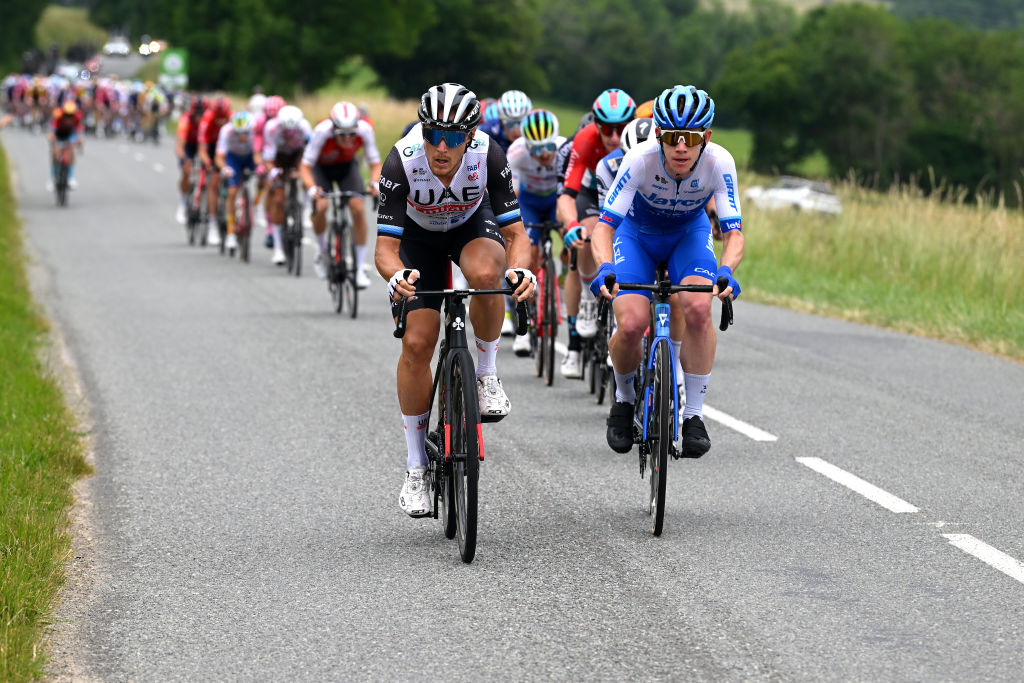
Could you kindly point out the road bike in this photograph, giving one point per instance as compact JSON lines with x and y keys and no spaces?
{"x":656,"y":413}
{"x":196,"y":216}
{"x":63,"y":163}
{"x":600,"y":370}
{"x":547,"y":315}
{"x":291,"y":231}
{"x":455,"y":447}
{"x":341,"y":253}
{"x":243,"y":216}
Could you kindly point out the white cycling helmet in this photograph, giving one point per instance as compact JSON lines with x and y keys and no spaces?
{"x":345,"y":116}
{"x":290,"y":117}
{"x":256,"y":103}
{"x":635,"y":132}
{"x":449,"y":106}
{"x":513,"y":106}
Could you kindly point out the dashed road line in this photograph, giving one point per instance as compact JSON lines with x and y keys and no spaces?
{"x":853,"y":482}
{"x":983,"y":551}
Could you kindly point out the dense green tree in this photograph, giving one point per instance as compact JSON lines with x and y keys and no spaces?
{"x":17,"y":32}
{"x":986,"y":14}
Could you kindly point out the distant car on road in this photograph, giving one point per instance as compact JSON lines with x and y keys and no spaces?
{"x":790,"y":192}
{"x":117,"y":46}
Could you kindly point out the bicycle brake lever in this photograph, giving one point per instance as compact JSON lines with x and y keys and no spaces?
{"x":723,"y":283}
{"x":400,"y":319}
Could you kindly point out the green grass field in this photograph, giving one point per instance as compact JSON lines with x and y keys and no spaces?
{"x":40,"y":458}
{"x":65,"y":26}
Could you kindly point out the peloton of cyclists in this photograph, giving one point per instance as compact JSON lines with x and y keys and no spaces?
{"x":439,"y":184}
{"x":512,"y":108}
{"x":329,"y":158}
{"x":655,"y":212}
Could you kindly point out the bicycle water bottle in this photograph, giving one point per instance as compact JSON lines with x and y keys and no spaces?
{"x":661,"y":315}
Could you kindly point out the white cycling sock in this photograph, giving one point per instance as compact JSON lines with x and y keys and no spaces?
{"x":485,"y":355}
{"x":625,"y":392}
{"x":275,"y":230}
{"x":321,"y":242}
{"x":415,"y":438}
{"x":696,"y":388}
{"x":360,"y":256}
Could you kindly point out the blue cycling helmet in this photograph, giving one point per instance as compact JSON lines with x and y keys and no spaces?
{"x":614,"y":106}
{"x":683,"y":107}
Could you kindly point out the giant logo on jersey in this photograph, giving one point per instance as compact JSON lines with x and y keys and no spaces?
{"x":618,"y":186}
{"x":730,"y":187}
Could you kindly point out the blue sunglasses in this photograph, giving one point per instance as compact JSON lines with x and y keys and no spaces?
{"x":452,"y":138}
{"x":535,"y":148}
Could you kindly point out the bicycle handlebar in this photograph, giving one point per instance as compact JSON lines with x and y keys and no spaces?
{"x":521,"y":313}
{"x":665,"y":288}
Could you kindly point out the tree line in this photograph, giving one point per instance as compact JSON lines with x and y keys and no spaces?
{"x":883,"y":90}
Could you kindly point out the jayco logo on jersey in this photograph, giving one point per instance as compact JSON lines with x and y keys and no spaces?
{"x":619,"y":185}
{"x":654,"y":199}
{"x":730,"y":187}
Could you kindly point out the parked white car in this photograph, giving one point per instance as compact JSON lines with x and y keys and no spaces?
{"x":117,"y":46}
{"x":789,"y":192}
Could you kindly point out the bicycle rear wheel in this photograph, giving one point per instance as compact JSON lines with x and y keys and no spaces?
{"x":462,"y":420}
{"x":550,"y":321}
{"x":349,"y":289}
{"x":659,"y":431}
{"x":537,"y":331}
{"x":62,"y":184}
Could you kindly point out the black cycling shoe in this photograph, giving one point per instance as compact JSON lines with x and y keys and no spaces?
{"x":620,"y":427}
{"x":695,"y":438}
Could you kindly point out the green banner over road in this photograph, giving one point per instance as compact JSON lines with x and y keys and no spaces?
{"x":174,"y":69}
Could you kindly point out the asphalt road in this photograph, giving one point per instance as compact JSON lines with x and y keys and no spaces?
{"x":249,"y":454}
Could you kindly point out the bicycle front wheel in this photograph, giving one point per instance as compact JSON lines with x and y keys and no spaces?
{"x":462,"y":420}
{"x":659,"y":434}
{"x":550,"y":321}
{"x":349,"y":289}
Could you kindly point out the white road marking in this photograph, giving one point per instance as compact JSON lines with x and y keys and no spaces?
{"x":983,"y":551}
{"x":724,"y":419}
{"x":855,"y":483}
{"x":159,"y":168}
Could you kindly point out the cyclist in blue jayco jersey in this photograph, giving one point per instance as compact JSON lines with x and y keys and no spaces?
{"x":655,"y":213}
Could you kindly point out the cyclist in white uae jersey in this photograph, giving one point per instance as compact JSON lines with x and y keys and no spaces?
{"x":655,"y":210}
{"x":438,"y":185}
{"x":284,"y":139}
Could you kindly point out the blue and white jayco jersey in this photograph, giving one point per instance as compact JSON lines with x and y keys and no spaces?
{"x":644,"y":194}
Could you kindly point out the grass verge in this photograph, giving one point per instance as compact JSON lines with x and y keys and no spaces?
{"x":922,"y":263}
{"x":41,"y":455}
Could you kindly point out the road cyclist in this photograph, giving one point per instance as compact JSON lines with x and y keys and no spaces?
{"x":64,"y":134}
{"x":655,"y":213}
{"x":330,"y":158}
{"x":536,"y":180}
{"x":439,"y":184}
{"x":186,"y":148}
{"x":578,"y":212}
{"x":214,"y":118}
{"x":234,"y":157}
{"x":284,"y":138}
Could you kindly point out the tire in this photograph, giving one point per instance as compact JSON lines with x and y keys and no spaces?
{"x":349,"y":290}
{"x":62,"y":185}
{"x":593,"y":368}
{"x":550,"y":321}
{"x":659,"y":431}
{"x":442,"y":473}
{"x":463,"y":420}
{"x":537,"y":329}
{"x":244,"y":227}
{"x":334,"y":271}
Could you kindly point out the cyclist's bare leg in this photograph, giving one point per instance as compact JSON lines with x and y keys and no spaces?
{"x":320,"y":223}
{"x":483,"y":263}
{"x":357,"y":207}
{"x":186,"y":175}
{"x":699,"y":339}
{"x":632,"y":316}
{"x":414,"y":377}
{"x":584,"y":264}
{"x":229,"y":213}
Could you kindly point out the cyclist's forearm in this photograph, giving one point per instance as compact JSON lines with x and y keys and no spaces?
{"x":566,"y":209}
{"x":732,"y":249}
{"x":517,"y":245}
{"x":386,"y":257}
{"x":306,"y":175}
{"x":375,"y":172}
{"x":601,"y":243}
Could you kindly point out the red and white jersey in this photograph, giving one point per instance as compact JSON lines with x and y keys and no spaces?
{"x":323,"y":148}
{"x":259,"y":122}
{"x":285,"y":140}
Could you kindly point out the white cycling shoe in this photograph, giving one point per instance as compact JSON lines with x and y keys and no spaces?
{"x":416,"y":498}
{"x":586,"y":321}
{"x":521,"y":346}
{"x":362,"y":282}
{"x":571,"y":367}
{"x":278,"y":259}
{"x":231,"y":242}
{"x":494,"y":404}
{"x":213,"y":235}
{"x":319,"y":267}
